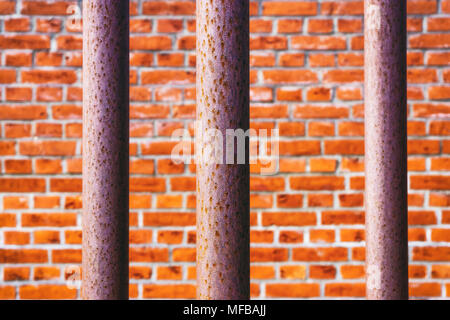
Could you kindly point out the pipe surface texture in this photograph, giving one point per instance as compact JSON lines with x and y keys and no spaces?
{"x":222,"y":189}
{"x":385,"y":149}
{"x":105,"y":149}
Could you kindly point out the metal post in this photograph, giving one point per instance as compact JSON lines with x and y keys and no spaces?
{"x":222,"y":189}
{"x":105,"y":149}
{"x":385,"y":149}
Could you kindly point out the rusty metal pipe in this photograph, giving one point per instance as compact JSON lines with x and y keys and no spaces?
{"x":385,"y":149}
{"x":105,"y":149}
{"x":222,"y":189}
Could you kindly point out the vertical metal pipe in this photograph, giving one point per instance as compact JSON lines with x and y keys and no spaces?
{"x":385,"y":149}
{"x":105,"y":149}
{"x":222,"y":189}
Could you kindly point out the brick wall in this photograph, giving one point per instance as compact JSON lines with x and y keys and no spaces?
{"x":306,"y":80}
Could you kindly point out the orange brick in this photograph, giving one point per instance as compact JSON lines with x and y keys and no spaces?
{"x":170,"y":236}
{"x":297,"y":272}
{"x":46,"y":273}
{"x":318,"y":129}
{"x":320,"y":254}
{"x":345,"y":290}
{"x":257,"y":236}
{"x":158,"y":291}
{"x":262,"y":272}
{"x":47,"y":292}
{"x":432,"y":289}
{"x":320,"y":200}
{"x":16,"y":237}
{"x":321,"y":235}
{"x":169,"y":273}
{"x":16,"y":273}
{"x":46,"y":237}
{"x":322,"y":272}
{"x":290,"y":237}
{"x":149,"y":254}
{"x":291,"y":290}
{"x":12,"y":202}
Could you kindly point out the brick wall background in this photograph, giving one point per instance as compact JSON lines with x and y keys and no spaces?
{"x":306,"y":80}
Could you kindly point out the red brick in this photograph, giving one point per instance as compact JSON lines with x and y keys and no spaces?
{"x":259,"y":59}
{"x":342,"y":217}
{"x":288,"y":218}
{"x":345,"y":290}
{"x":431,"y":253}
{"x":259,"y":25}
{"x":13,"y":166}
{"x":284,"y":8}
{"x":350,"y":25}
{"x":317,"y":183}
{"x":169,"y":219}
{"x":49,"y":219}
{"x":7,"y":7}
{"x":47,"y":291}
{"x":293,"y":290}
{"x":66,"y":256}
{"x":421,"y":6}
{"x":346,"y":147}
{"x":289,"y":200}
{"x":317,"y":112}
{"x":267,"y":184}
{"x":268,"y":43}
{"x":174,"y":291}
{"x":351,"y":200}
{"x":15,"y":203}
{"x":16,"y":274}
{"x":430,"y":182}
{"x":24,"y":42}
{"x":320,"y":26}
{"x":322,"y":165}
{"x":268,"y":254}
{"x":18,"y":59}
{"x":23,"y":256}
{"x":7,"y":76}
{"x":262,"y":272}
{"x":425,"y":289}
{"x":52,"y":148}
{"x":321,"y":60}
{"x":319,"y":129}
{"x":22,"y":185}
{"x":320,"y":254}
{"x":322,"y":235}
{"x":352,"y":272}
{"x":290,"y":25}
{"x":46,"y":273}
{"x":430,"y":41}
{"x":318,"y":94}
{"x":320,"y":200}
{"x":318,"y":43}
{"x":46,"y":237}
{"x":438,"y":58}
{"x":48,"y":25}
{"x":49,"y":76}
{"x":352,"y":235}
{"x":322,"y":272}
{"x":17,"y":25}
{"x":342,"y":8}
{"x":17,"y":237}
{"x":289,"y":76}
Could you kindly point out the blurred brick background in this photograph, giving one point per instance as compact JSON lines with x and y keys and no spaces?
{"x":306,"y":80}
